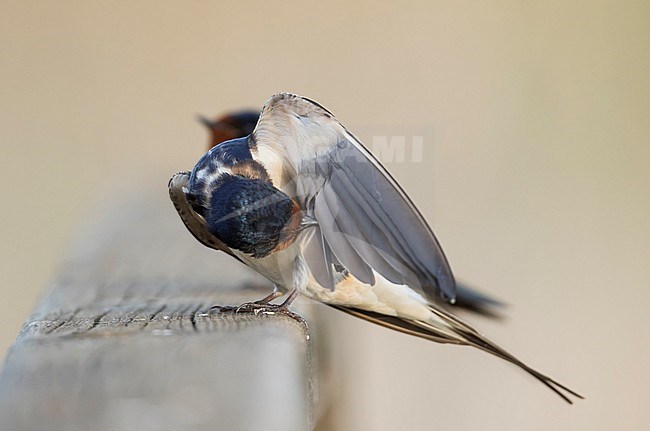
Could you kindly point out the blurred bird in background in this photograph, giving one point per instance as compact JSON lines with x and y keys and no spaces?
{"x":230,"y":126}
{"x":294,"y":195}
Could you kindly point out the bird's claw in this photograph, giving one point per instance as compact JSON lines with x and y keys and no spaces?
{"x":256,"y":308}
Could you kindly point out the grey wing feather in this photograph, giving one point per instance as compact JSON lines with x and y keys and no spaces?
{"x":410,"y":241}
{"x":380,"y":233}
{"x":366,"y":219}
{"x":345,"y":246}
{"x":470,"y":298}
{"x":318,"y":256}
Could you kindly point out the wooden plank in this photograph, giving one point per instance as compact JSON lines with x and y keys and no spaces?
{"x":123,"y":339}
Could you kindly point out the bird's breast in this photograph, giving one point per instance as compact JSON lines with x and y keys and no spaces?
{"x":277,"y":267}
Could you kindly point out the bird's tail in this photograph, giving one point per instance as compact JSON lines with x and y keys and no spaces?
{"x":462,"y":333}
{"x":446,"y":328}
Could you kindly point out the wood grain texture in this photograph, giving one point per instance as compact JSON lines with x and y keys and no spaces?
{"x":123,"y":339}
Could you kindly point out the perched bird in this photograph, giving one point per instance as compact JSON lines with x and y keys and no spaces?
{"x":230,"y":126}
{"x":239,"y":124}
{"x":304,"y":203}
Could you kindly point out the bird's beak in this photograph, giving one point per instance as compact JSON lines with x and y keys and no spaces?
{"x":205,"y":121}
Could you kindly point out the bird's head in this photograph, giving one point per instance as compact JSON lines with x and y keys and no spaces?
{"x":252,"y":216}
{"x":230,"y":126}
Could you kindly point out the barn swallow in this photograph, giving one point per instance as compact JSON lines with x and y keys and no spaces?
{"x":304,"y":203}
{"x":230,"y":126}
{"x":239,"y":124}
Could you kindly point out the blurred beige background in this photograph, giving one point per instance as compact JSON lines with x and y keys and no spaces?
{"x":535,"y":177}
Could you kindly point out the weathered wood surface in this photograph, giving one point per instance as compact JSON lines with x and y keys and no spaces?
{"x":123,"y":339}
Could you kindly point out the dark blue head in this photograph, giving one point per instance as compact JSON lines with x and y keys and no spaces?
{"x":251,"y":215}
{"x":234,"y":155}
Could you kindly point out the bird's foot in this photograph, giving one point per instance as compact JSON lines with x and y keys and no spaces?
{"x":251,"y":307}
{"x":255,"y":307}
{"x":264,"y":306}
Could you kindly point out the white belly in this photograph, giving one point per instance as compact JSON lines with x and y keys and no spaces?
{"x":384,"y":297}
{"x":277,"y":267}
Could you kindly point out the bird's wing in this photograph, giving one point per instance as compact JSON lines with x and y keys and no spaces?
{"x":365,"y":220}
